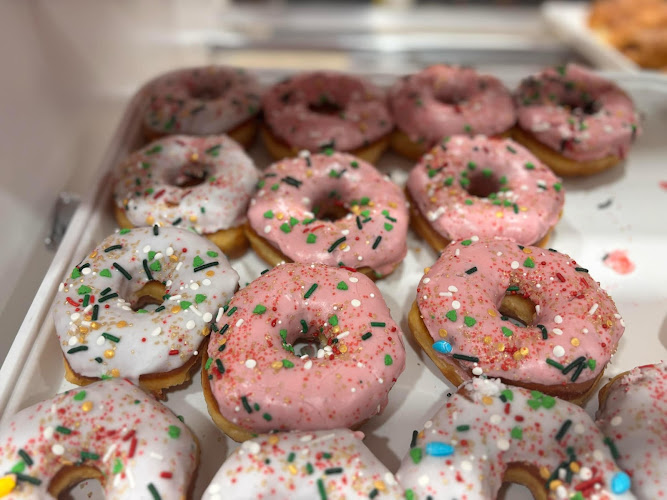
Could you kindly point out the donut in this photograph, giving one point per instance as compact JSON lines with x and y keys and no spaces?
{"x":199,"y":183}
{"x":531,"y":317}
{"x":489,"y":433}
{"x":330,"y":464}
{"x":207,"y":100}
{"x":324,"y":109}
{"x":441,"y":101}
{"x":303,"y":347}
{"x":574,"y":120}
{"x":331,"y":208}
{"x":105,"y":311}
{"x":633,"y":416}
{"x":486,"y":187}
{"x":110,"y":431}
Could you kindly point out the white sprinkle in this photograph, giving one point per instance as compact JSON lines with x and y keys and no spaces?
{"x":585,"y":473}
{"x":495,"y":419}
{"x":616,"y":421}
{"x":593,"y":309}
{"x":219,"y":315}
{"x":320,"y":353}
{"x":308,"y":365}
{"x":380,"y":381}
{"x":239,"y":322}
{"x":557,"y":331}
{"x":158,"y":256}
{"x":190,"y":324}
{"x":537,"y":308}
{"x":389,"y":479}
{"x":579,"y":428}
{"x":372,"y":295}
{"x":458,"y":252}
{"x":558,"y":319}
{"x":503,"y":444}
{"x":147,"y":249}
{"x":169,"y":251}
{"x":326,"y":437}
{"x":100,"y":340}
{"x":342,"y":335}
{"x":206,"y":282}
{"x":179,"y":265}
{"x":250,"y":363}
{"x":474,"y":238}
{"x":426,"y":280}
{"x":598,"y":455}
{"x":561,"y":492}
{"x":355,"y":303}
{"x":194,"y":310}
{"x":360,"y":258}
{"x":445,"y":294}
{"x":48,"y":432}
{"x":86,"y":271}
{"x":207,"y":317}
{"x":584,"y":330}
{"x":452,"y":289}
{"x":61,"y":287}
{"x":57,"y":449}
{"x":109,"y":452}
{"x":306,"y":438}
{"x":353,"y":279}
{"x":126,"y":308}
{"x":194,"y":286}
{"x":73,"y":340}
{"x":345,"y":232}
{"x":477,"y":371}
{"x":267,"y":229}
{"x":499,"y":254}
{"x":559,"y":351}
{"x":456,"y":304}
{"x":514,"y":265}
{"x":353,"y":389}
{"x":423,"y":480}
{"x":466,"y":466}
{"x":75,"y":316}
{"x":428,"y":424}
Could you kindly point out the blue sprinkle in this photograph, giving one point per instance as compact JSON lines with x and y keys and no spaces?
{"x":620,"y":483}
{"x":438,"y":449}
{"x":443,"y":346}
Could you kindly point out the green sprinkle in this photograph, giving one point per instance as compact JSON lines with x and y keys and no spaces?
{"x":502,"y":180}
{"x":377,"y":242}
{"x":506,"y":331}
{"x":462,"y":428}
{"x":110,"y":337}
{"x":472,"y":165}
{"x":581,"y":269}
{"x":388,"y":226}
{"x":285,"y":227}
{"x":310,"y":291}
{"x":321,"y":489}
{"x":208,"y":364}
{"x":465,"y":243}
{"x":511,"y":149}
{"x":471,"y":270}
{"x":185,"y":304}
{"x":231,"y":311}
{"x":246,"y":405}
{"x":529,"y":166}
{"x":112,"y":248}
{"x":18,"y":467}
{"x":342,"y":285}
{"x":416,"y":455}
{"x":304,"y":326}
{"x":124,"y":231}
{"x":268,"y":214}
{"x":529,"y":262}
{"x":558,"y":186}
{"x":487,"y":172}
{"x":451,"y":315}
{"x":612,"y":447}
{"x":267,"y":417}
{"x":591,"y":363}
{"x":214,"y":150}
{"x":106,"y":273}
{"x":563,"y":430}
{"x":311,"y":238}
{"x":79,"y":396}
{"x":28,"y":479}
{"x":154,"y":493}
{"x":469,"y":320}
{"x":63,"y":430}
{"x":388,"y":361}
{"x":197,"y":261}
{"x":409,"y":495}
{"x":468,"y":202}
{"x":467,"y":128}
{"x":464,"y":182}
{"x":259,"y":309}
{"x":174,"y":432}
{"x":220,"y":366}
{"x":77,"y":349}
{"x":287,"y":363}
{"x":432,"y":172}
{"x":83,"y":290}
{"x":335,"y":244}
{"x":449,"y":181}
{"x":508,"y":394}
{"x":199,"y":298}
{"x":155,"y":266}
{"x":333,"y":320}
{"x":76,"y":273}
{"x":516,"y":433}
{"x":378,"y":323}
{"x":366,"y":336}
{"x":293,"y":221}
{"x":87,"y":455}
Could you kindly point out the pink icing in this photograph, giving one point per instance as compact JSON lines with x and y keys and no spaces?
{"x":459,"y":298}
{"x":148,"y":187}
{"x":577,"y":113}
{"x":300,"y":465}
{"x":440,"y":101}
{"x":283,"y":212}
{"x":488,"y":427}
{"x":363,"y":116}
{"x":201,"y":101}
{"x":527,"y":203}
{"x":113,"y":426}
{"x":619,"y":261}
{"x":634,"y":417}
{"x":349,"y":379}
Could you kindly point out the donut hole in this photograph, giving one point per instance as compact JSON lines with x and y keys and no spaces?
{"x":206,"y":92}
{"x":330,"y":210}
{"x":582,"y":106}
{"x":189,"y":175}
{"x":482,"y":185}
{"x":450,"y":99}
{"x":518,"y":309}
{"x":152,"y":293}
{"x":77,"y":481}
{"x":307,"y":346}
{"x":325,"y":106}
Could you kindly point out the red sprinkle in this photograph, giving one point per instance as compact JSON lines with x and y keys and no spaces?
{"x":159,"y":193}
{"x":71,"y":302}
{"x":173,"y":352}
{"x":351,"y":269}
{"x":588,"y":484}
{"x":133,"y":447}
{"x":560,"y":277}
{"x":129,"y":435}
{"x":166,"y":475}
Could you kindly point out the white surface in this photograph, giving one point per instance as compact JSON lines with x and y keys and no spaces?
{"x":569,"y":21}
{"x":634,"y":222}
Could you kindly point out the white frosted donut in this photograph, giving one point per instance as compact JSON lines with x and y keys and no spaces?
{"x":203,"y":183}
{"x":489,"y":432}
{"x":201,"y":101}
{"x":105,"y":330}
{"x":325,"y":465}
{"x":111,"y":431}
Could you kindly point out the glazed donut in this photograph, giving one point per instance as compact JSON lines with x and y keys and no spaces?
{"x":203,"y":101}
{"x":440,"y":101}
{"x":486,"y":187}
{"x":633,"y":416}
{"x":110,"y":431}
{"x":331,"y":465}
{"x":575,"y":121}
{"x":290,"y":217}
{"x":472,"y":303}
{"x":324,"y":109}
{"x":488,"y":433}
{"x":105,"y":314}
{"x":201,"y":183}
{"x":292,"y":340}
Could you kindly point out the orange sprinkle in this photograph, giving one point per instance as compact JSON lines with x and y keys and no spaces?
{"x":442,"y":332}
{"x":175,"y":309}
{"x":93,"y":255}
{"x":115,"y":372}
{"x":500,"y":347}
{"x":87,"y":406}
{"x":527,"y":250}
{"x":392,"y":204}
{"x":575,"y":342}
{"x":193,"y":218}
{"x":109,"y":353}
{"x":487,"y":339}
{"x":273,"y":439}
{"x":277,"y":365}
{"x":210,"y":273}
{"x":194,"y":157}
{"x":280,"y":216}
{"x":95,"y":325}
{"x":343,"y":348}
{"x":545,"y":472}
{"x":379,"y":485}
{"x":150,"y":220}
{"x":173,"y":258}
{"x":492,"y":312}
{"x":83,"y":330}
{"x":121,"y":324}
{"x":487,"y":400}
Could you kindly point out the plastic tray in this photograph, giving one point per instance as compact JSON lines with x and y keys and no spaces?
{"x":621,"y":209}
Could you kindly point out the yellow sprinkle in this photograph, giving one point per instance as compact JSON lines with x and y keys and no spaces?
{"x":121,"y":324}
{"x":292,"y":469}
{"x":343,"y":246}
{"x":371,"y":203}
{"x":210,"y":273}
{"x":109,"y":353}
{"x":442,"y":332}
{"x":524,"y":351}
{"x":487,"y":400}
{"x":555,"y":484}
{"x":83,"y":329}
{"x":280,"y":216}
{"x":544,"y":472}
{"x":379,"y":485}
{"x":574,"y":467}
{"x":527,"y":250}
{"x":95,"y":325}
{"x":175,"y":309}
{"x":392,"y":204}
{"x":492,"y":313}
{"x":336,"y":329}
{"x":115,"y":372}
{"x":517,"y":356}
{"x":87,"y":406}
{"x":193,"y":218}
{"x":150,"y":220}
{"x":426,"y":269}
{"x":499,"y":215}
{"x":7,"y":484}
{"x":523,"y":209}
{"x":487,"y":339}
{"x":355,"y":210}
{"x":575,"y":342}
{"x":500,"y":347}
{"x":343,"y":348}
{"x":433,"y":199}
{"x":93,"y":255}
{"x":194,"y":157}
{"x":609,"y":323}
{"x":277,"y":365}
{"x":274,"y":440}
{"x":309,"y":173}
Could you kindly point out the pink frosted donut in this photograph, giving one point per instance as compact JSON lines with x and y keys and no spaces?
{"x":633,"y":415}
{"x":201,"y":101}
{"x":327,"y":109}
{"x":111,"y":431}
{"x":488,"y":433}
{"x":304,"y":465}
{"x":257,"y":379}
{"x":440,"y":101}
{"x":577,"y":115}
{"x":291,"y":214}
{"x":486,"y":187}
{"x":465,"y":303}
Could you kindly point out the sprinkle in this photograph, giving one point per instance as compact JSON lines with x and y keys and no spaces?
{"x":310,"y":291}
{"x":108,"y":297}
{"x":506,"y":331}
{"x":469,"y":320}
{"x":366,"y":336}
{"x":205,"y":266}
{"x":259,"y":309}
{"x":231,"y":311}
{"x":529,"y":262}
{"x":471,"y":270}
{"x":442,"y":346}
{"x":563,"y":430}
{"x":555,"y":364}
{"x":336,"y":243}
{"x":291,"y":181}
{"x":573,"y":365}
{"x":377,"y":242}
{"x":593,"y":309}
{"x":620,"y":482}
{"x":110,"y":337}
{"x":355,"y":302}
{"x":154,"y":493}
{"x":246,"y":405}
{"x":559,"y":351}
{"x":63,"y":430}
{"x":80,"y":348}
{"x":464,"y":357}
{"x":439,"y":449}
{"x":321,"y":489}
{"x":219,"y":365}
{"x":333,"y":470}
{"x":250,"y":363}
{"x":581,"y":269}
{"x":304,"y":325}
{"x":388,"y":360}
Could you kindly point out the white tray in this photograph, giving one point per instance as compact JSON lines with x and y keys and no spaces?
{"x":634,"y":221}
{"x":569,"y":21}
